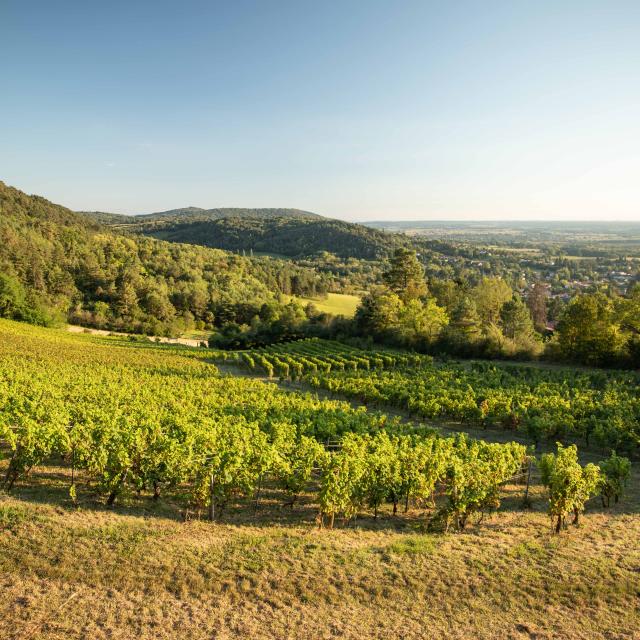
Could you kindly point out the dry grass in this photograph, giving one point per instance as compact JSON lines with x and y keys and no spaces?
{"x":138,"y":572}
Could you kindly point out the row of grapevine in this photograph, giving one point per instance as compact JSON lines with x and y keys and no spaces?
{"x":371,"y":470}
{"x":128,"y":419}
{"x":601,"y":408}
{"x":154,"y":420}
{"x":312,"y":355}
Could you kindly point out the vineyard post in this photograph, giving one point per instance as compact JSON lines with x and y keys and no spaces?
{"x":212,"y":501}
{"x":72,"y":488}
{"x":526,"y":502}
{"x":257,"y":496}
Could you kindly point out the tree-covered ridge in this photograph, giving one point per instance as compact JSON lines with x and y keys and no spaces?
{"x":192,"y":214}
{"x":55,"y":262}
{"x":294,"y":237}
{"x":353,"y":260}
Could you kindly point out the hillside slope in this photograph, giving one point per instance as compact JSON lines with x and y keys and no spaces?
{"x":264,"y":571}
{"x":60,"y":262}
{"x":293,"y":237}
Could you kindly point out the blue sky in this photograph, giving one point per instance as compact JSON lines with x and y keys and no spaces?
{"x":359,"y":110}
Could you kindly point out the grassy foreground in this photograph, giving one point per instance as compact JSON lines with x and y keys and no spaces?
{"x":138,"y":572}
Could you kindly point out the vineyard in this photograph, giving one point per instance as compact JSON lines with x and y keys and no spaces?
{"x":151,"y":420}
{"x":595,"y":408}
{"x":591,"y":407}
{"x":293,"y":360}
{"x":108,"y":444}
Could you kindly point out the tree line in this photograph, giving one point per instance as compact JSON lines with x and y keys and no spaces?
{"x":490,"y":319}
{"x":56,"y":265}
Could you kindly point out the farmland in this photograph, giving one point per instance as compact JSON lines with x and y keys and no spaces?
{"x":152,"y":563}
{"x":338,"y":304}
{"x":589,"y":407}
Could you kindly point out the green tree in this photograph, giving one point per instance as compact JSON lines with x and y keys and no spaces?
{"x":465,"y":326}
{"x":415,"y":323}
{"x":419,"y":323}
{"x":537,"y":303}
{"x":515,"y":319}
{"x":446,"y":292}
{"x":17,"y":303}
{"x":378,"y":312}
{"x":489,"y":295}
{"x":405,"y":276}
{"x":13,"y":298}
{"x":627,"y":311}
{"x":588,"y":332}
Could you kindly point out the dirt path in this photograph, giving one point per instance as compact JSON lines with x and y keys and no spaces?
{"x":188,"y":342}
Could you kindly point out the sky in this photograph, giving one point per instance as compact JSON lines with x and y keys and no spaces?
{"x":361,"y":110}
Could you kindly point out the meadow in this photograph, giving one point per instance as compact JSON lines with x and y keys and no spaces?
{"x":337,"y":304}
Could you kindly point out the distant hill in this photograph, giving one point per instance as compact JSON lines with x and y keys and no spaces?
{"x":102,"y":217}
{"x":292,"y":233}
{"x":193,"y":214}
{"x":293,"y":236}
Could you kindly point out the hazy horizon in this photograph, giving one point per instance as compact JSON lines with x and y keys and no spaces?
{"x":451,"y":219}
{"x":362,"y":111}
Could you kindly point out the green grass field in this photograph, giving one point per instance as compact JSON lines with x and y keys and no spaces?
{"x":335,"y":303}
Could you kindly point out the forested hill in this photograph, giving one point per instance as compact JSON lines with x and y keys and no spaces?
{"x":54,"y":262}
{"x":196,"y":214}
{"x":290,"y":236}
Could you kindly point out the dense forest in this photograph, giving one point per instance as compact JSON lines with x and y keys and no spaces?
{"x":58,"y":265}
{"x":352,"y":257}
{"x":293,"y":236}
